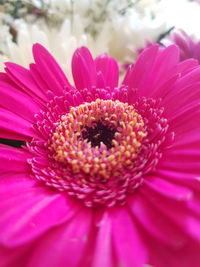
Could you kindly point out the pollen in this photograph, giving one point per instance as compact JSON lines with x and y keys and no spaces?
{"x":99,"y":139}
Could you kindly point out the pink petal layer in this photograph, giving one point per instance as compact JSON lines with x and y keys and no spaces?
{"x":154,"y":223}
{"x":83,"y":69}
{"x":129,"y":248}
{"x":49,"y":70}
{"x":65,"y":245}
{"x":168,"y":189}
{"x":28,"y":209}
{"x":18,"y":102}
{"x":151,"y":71}
{"x":109,"y":69}
{"x":22,"y":77}
{"x":13,"y":159}
{"x":103,"y":254}
{"x":176,"y":213}
{"x":15,"y":127}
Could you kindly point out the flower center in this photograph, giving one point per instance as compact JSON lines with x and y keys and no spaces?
{"x":99,"y":133}
{"x":99,"y":139}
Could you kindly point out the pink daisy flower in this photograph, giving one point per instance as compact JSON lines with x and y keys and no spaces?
{"x":109,"y":175}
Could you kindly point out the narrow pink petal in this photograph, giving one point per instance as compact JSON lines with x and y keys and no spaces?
{"x":153,"y":223}
{"x":28,"y":209}
{"x":129,"y":248}
{"x":22,"y":77}
{"x":168,"y":189}
{"x":103,"y":254}
{"x":163,"y":70}
{"x":18,"y":102}
{"x":186,"y":179}
{"x":65,"y":245}
{"x":15,"y":127}
{"x":139,"y":75}
{"x":166,"y":61}
{"x":13,"y":159}
{"x":188,"y":79}
{"x":175,"y":212}
{"x":83,"y":69}
{"x":50,"y":71}
{"x":186,"y":66}
{"x":38,"y":78}
{"x":188,"y":97}
{"x":186,"y":160}
{"x":152,"y":70}
{"x":109,"y":68}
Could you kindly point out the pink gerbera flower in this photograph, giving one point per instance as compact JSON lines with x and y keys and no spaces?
{"x":109,"y":175}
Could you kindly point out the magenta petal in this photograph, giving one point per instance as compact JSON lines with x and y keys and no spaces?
{"x":103,"y":254}
{"x":168,"y":189}
{"x":184,"y":159}
{"x":175,"y":212}
{"x":49,"y":70}
{"x":138,"y":75}
{"x":28,"y":209}
{"x":18,"y":102}
{"x":65,"y":245}
{"x":109,"y":69}
{"x":22,"y":77}
{"x":129,"y":248}
{"x":153,"y":68}
{"x":188,"y":99}
{"x":167,"y":59}
{"x":15,"y":127}
{"x":37,"y":77}
{"x":153,"y":223}
{"x":13,"y":159}
{"x":186,"y":66}
{"x":83,"y":69}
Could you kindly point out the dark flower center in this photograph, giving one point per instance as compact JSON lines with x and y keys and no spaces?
{"x":99,"y":133}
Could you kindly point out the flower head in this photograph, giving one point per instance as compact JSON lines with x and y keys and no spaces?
{"x":103,"y":163}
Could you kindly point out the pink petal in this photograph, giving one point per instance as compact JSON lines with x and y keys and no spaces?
{"x":167,"y":59}
{"x":103,"y":254}
{"x":28,"y":209}
{"x":49,"y":70}
{"x":138,"y":76}
{"x":17,"y":102}
{"x":187,"y":66}
{"x":176,"y":213}
{"x":152,"y":69}
{"x":22,"y":77}
{"x":109,"y":69}
{"x":129,"y":248}
{"x":184,"y":160}
{"x":64,"y":245}
{"x":168,"y":189}
{"x":83,"y":69}
{"x":15,"y":127}
{"x":37,"y":77}
{"x":187,"y":97}
{"x":154,"y":223}
{"x":13,"y":159}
